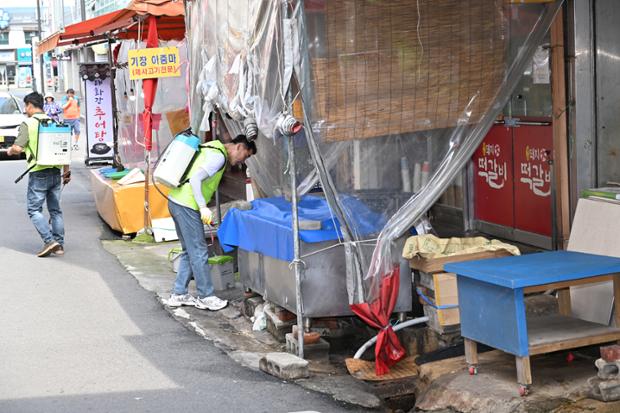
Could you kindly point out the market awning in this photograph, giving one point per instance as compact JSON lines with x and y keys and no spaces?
{"x":122,"y":24}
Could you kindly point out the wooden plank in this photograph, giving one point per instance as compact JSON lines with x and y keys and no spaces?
{"x":575,"y":343}
{"x":433,"y":265}
{"x":471,"y":351}
{"x":557,"y":332}
{"x":565,"y":284}
{"x":524,"y":370}
{"x":564,"y":302}
{"x":446,"y":293}
{"x":559,"y":125}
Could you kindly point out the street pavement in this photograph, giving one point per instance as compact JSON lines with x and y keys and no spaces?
{"x":79,"y":334}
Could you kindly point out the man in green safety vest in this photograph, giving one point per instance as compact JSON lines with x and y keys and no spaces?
{"x":188,"y":207}
{"x":44,"y":181}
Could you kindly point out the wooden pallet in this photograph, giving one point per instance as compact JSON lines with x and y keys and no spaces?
{"x":365,"y":370}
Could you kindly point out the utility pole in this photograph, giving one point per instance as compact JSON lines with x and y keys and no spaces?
{"x":40,"y":56}
{"x":83,"y":9}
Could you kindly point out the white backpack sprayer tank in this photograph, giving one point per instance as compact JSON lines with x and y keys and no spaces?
{"x":54,"y":147}
{"x":176,"y":158}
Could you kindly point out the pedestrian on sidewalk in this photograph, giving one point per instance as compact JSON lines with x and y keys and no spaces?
{"x":188,"y":208}
{"x":71,"y":115}
{"x":51,"y":108}
{"x":44,"y":181}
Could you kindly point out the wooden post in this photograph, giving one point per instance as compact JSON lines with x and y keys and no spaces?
{"x":524,"y":371}
{"x":564,"y":301}
{"x":471,"y":352}
{"x":560,"y":139}
{"x":617,"y":299}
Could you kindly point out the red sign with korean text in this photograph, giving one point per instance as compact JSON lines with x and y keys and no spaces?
{"x":493,"y":178}
{"x":532,"y":148}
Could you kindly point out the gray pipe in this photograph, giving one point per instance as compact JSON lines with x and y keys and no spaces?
{"x":397,"y":327}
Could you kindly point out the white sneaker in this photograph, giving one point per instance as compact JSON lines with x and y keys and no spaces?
{"x":211,"y":303}
{"x":177,"y":300}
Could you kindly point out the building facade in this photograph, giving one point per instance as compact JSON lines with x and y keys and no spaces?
{"x":96,"y":8}
{"x":65,"y":61}
{"x":18,"y":26}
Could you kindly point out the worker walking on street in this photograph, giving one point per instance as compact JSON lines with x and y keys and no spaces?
{"x":71,"y":115}
{"x":188,"y":208}
{"x":44,"y":181}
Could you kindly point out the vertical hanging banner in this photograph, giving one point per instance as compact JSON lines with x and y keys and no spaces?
{"x":99,"y":121}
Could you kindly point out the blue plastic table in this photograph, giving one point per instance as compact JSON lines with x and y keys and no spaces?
{"x":492,"y":309}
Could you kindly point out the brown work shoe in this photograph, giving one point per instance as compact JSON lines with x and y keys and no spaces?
{"x":60,"y":251}
{"x":48,"y":249}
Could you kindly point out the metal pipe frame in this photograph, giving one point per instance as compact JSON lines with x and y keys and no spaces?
{"x":116,"y":160}
{"x":296,"y":263}
{"x":41,"y":58}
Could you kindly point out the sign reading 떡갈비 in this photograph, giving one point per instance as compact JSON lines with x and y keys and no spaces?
{"x":154,"y":62}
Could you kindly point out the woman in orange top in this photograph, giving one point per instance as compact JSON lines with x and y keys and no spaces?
{"x":71,"y":115}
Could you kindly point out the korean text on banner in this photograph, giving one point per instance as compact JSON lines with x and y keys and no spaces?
{"x":154,"y":63}
{"x":99,"y":127}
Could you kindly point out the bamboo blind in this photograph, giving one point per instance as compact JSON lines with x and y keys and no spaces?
{"x":382,"y":74}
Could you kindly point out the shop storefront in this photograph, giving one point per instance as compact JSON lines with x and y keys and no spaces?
{"x":24,"y":67}
{"x":7,"y":68}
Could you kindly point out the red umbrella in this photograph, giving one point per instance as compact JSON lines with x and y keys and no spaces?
{"x":149,"y":87}
{"x":388,"y":350}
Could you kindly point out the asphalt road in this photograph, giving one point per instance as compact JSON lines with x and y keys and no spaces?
{"x":79,"y":334}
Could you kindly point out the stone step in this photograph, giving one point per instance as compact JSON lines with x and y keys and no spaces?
{"x":607,"y":370}
{"x":284,"y":366}
{"x":317,"y":351}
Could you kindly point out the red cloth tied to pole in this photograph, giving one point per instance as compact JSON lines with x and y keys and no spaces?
{"x":149,"y":87}
{"x":388,"y":350}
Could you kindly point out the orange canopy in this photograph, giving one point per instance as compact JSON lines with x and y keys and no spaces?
{"x":123,"y":24}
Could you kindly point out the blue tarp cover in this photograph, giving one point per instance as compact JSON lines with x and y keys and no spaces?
{"x":267,"y":227}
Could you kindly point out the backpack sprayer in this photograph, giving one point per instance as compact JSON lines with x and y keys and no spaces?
{"x":53,"y":146}
{"x":177,"y":159}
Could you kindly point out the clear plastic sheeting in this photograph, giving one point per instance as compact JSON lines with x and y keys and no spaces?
{"x":171,"y":101}
{"x":395,"y":97}
{"x":238,"y":66}
{"x":465,"y":138}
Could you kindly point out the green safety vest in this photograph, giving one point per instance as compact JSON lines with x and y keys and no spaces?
{"x":183,"y":194}
{"x":33,"y":143}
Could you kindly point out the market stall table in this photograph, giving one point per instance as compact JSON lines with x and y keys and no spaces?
{"x":491,"y":302}
{"x":122,"y":206}
{"x":264,"y":237}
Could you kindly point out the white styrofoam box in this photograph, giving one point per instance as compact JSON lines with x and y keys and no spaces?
{"x":164,"y":230}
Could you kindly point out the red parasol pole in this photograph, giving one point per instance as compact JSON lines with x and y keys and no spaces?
{"x":149,"y":88}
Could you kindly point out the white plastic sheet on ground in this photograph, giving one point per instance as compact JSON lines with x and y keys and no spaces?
{"x":396,"y":97}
